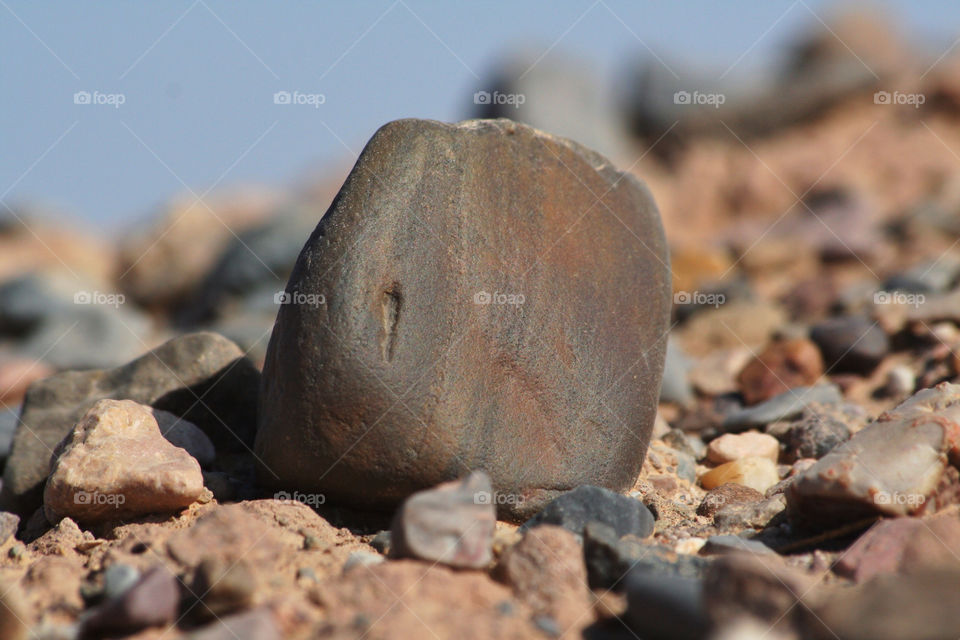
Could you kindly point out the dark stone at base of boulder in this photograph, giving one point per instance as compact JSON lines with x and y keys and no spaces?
{"x":609,"y":559}
{"x":585,"y":504}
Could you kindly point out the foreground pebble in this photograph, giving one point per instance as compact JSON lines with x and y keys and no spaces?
{"x":731,"y":446}
{"x":152,"y":601}
{"x":116,"y":464}
{"x":452,"y":524}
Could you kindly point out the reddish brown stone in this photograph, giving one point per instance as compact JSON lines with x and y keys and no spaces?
{"x":484,"y":286}
{"x":546,"y":571}
{"x":780,"y":367}
{"x":727,"y":494}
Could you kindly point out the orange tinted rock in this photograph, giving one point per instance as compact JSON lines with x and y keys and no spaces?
{"x":780,"y":367}
{"x":116,"y":464}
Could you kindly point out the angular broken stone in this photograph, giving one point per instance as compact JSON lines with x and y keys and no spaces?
{"x":892,"y":467}
{"x":116,"y":464}
{"x":452,"y":524}
{"x":479,"y":295}
{"x":172,"y":377}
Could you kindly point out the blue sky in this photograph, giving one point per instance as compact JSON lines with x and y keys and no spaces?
{"x":198,"y":78}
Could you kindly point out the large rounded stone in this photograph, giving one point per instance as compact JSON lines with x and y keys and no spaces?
{"x":478,"y":296}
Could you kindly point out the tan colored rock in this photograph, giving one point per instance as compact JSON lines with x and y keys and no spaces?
{"x":115,"y":464}
{"x":756,"y":473}
{"x":546,"y":570}
{"x":734,"y":446}
{"x":412,"y":599}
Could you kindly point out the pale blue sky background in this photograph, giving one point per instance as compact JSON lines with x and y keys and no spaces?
{"x":199,"y":76}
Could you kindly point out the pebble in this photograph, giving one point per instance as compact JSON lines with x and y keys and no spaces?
{"x":499,"y":393}
{"x":170,"y":378}
{"x":153,"y":601}
{"x":116,"y":465}
{"x":256,"y":624}
{"x":585,"y":504}
{"x":224,"y":585}
{"x":665,"y":607}
{"x":726,"y":543}
{"x":546,"y":572}
{"x":9,"y":523}
{"x":13,"y":613}
{"x":725,"y":495}
{"x":50,"y":325}
{"x":756,"y":473}
{"x":889,"y":468}
{"x":609,"y":558}
{"x":925,"y":604}
{"x":900,"y":545}
{"x":118,"y":579}
{"x":9,"y":420}
{"x":562,"y":94}
{"x":851,"y":344}
{"x":785,"y":406}
{"x":814,"y":436}
{"x":758,"y":585}
{"x":900,"y":382}
{"x":783,"y":365}
{"x":675,"y":386}
{"x":716,"y":373}
{"x":755,"y":515}
{"x":452,"y":524}
{"x":733,"y":446}
{"x":254,"y":265}
{"x":361,"y":559}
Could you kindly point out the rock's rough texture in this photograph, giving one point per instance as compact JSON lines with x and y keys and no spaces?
{"x":892,"y":467}
{"x":452,"y":524}
{"x":458,"y":276}
{"x":574,"y":510}
{"x":116,"y":464}
{"x":171,"y":377}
